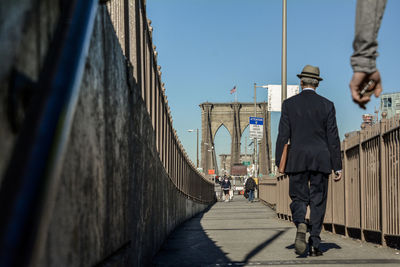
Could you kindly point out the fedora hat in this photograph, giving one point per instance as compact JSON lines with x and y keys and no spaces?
{"x":310,"y":72}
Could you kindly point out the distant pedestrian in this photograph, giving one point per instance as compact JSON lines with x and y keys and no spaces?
{"x":308,"y":121}
{"x":226,"y":187}
{"x":250,"y":186}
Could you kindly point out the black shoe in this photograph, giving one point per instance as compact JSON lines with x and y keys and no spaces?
{"x":300,"y":244}
{"x":315,"y":252}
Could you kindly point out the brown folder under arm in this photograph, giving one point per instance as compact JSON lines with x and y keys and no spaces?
{"x":284,"y":156}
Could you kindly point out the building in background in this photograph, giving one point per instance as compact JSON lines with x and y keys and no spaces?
{"x":390,"y":103}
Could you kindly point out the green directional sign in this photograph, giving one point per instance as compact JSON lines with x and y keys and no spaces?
{"x":247,"y":163}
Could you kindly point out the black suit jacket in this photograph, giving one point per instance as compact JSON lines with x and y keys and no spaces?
{"x":309,"y":121}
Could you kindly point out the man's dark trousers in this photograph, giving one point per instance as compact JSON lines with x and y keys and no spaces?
{"x":309,"y":188}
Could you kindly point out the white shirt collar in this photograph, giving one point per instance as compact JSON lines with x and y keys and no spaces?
{"x":308,"y":89}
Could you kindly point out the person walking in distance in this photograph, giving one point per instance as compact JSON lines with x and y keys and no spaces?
{"x":250,"y":186}
{"x":308,"y":121}
{"x":226,"y":187}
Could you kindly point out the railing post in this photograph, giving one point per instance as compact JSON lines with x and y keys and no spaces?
{"x":169,"y":149}
{"x":362,"y":167}
{"x":141,"y":45}
{"x":147,"y":77}
{"x":279,"y":198}
{"x":331,"y":198}
{"x":133,"y":35}
{"x":383,"y":177}
{"x":346,"y":191}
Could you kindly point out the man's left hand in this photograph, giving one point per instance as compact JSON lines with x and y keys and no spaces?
{"x":359,"y":80}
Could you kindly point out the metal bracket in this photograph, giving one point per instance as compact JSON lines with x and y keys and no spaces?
{"x":102,"y":2}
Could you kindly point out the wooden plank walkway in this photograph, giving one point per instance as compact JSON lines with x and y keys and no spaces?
{"x":240,"y":233}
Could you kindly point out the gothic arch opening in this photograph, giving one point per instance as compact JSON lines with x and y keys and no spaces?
{"x":222,"y":146}
{"x":245,"y":128}
{"x":246,"y":150}
{"x":219,"y":127}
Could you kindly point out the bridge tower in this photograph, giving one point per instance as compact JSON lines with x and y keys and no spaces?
{"x":235,"y":117}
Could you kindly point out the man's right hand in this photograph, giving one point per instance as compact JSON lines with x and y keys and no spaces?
{"x":359,"y":80}
{"x":338,"y":176}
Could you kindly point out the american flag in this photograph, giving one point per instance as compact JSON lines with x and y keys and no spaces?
{"x":233,"y":89}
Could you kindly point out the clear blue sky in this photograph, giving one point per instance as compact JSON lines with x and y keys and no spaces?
{"x":206,"y":47}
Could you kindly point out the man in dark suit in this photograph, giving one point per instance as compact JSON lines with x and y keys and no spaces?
{"x":308,"y":121}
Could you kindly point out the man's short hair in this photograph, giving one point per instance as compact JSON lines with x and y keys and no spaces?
{"x":309,"y":82}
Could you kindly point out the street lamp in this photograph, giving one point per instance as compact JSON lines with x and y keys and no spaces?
{"x":210,"y":148}
{"x":255,"y":115}
{"x":255,"y":96}
{"x":197,"y":147}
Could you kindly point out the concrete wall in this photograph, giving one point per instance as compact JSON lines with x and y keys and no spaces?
{"x":116,"y":204}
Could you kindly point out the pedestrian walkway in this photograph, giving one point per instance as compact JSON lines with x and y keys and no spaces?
{"x":240,"y":233}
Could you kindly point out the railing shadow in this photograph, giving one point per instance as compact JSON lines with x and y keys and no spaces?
{"x":194,"y":247}
{"x":263,"y":245}
{"x":190,"y":245}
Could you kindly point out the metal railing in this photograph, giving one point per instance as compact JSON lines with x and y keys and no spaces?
{"x":134,"y":32}
{"x":268,"y":191}
{"x":365,"y":204}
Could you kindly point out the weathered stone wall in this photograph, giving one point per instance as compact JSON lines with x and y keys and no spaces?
{"x":115,"y":204}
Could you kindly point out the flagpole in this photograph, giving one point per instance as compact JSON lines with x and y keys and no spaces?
{"x":284,"y":50}
{"x":236,"y":95}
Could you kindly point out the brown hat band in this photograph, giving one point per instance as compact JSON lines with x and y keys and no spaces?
{"x":309,"y":73}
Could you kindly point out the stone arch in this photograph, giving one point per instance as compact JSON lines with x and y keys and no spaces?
{"x":244,"y":128}
{"x":222,"y":145}
{"x":221,"y":124}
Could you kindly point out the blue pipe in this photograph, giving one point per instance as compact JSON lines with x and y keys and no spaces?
{"x":32,"y":175}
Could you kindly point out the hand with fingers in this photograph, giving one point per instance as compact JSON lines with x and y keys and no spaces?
{"x":338,"y":176}
{"x":363,"y":85}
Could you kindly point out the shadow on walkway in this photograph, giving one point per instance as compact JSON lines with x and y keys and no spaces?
{"x":239,"y":233}
{"x":189,"y":245}
{"x":324,"y":247}
{"x":260,"y":247}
